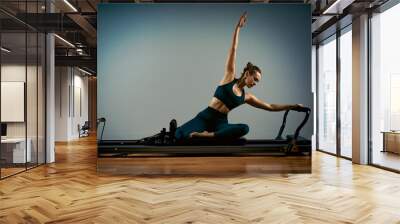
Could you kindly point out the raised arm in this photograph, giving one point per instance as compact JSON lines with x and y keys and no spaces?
{"x":230,"y":61}
{"x":255,"y":102}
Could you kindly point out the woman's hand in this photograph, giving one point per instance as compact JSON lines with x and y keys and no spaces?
{"x":299,"y":105}
{"x":299,"y":108}
{"x":242,"y":20}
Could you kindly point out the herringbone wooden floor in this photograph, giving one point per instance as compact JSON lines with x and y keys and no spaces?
{"x":71,"y":191}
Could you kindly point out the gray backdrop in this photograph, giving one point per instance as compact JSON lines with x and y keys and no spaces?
{"x":162,"y":61}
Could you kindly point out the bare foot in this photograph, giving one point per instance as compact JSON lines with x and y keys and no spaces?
{"x":204,"y":134}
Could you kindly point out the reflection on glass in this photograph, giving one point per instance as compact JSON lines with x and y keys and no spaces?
{"x":385,"y":83}
{"x":346,"y":94}
{"x":327,"y":96}
{"x":394,"y":102}
{"x":31,"y":101}
{"x":41,"y":97}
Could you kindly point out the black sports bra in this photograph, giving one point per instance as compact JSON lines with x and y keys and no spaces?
{"x":227,"y":96}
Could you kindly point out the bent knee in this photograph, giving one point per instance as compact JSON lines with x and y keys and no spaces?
{"x":244,"y":129}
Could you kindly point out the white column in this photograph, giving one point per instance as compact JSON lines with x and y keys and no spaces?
{"x":360,"y":90}
{"x":50,"y":93}
{"x":50,"y":110}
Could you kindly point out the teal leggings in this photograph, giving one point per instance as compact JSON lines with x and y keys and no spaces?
{"x":212,"y":120}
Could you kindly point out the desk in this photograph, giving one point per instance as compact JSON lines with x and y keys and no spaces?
{"x":15,"y":148}
{"x":391,"y":141}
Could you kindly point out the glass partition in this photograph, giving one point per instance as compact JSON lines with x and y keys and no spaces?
{"x":14,"y":151}
{"x":41,"y":91}
{"x":22,"y":88}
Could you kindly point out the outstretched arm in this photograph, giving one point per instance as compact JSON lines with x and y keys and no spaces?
{"x":255,"y":102}
{"x":230,"y":61}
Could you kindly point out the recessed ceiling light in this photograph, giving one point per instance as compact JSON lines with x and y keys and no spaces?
{"x":84,"y":71}
{"x":331,"y":7}
{"x":5,"y":49}
{"x":64,"y":40}
{"x":70,"y":5}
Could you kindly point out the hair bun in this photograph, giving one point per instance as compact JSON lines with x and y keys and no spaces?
{"x":249,"y":65}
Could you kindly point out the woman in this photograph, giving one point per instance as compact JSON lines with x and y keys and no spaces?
{"x":212,"y":122}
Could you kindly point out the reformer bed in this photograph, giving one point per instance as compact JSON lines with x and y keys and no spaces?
{"x":163,"y":144}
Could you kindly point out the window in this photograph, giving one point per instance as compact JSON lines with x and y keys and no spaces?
{"x":327,"y":95}
{"x":346,"y":92}
{"x":385,"y":88}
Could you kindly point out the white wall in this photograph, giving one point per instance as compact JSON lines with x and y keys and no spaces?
{"x":69,"y":82}
{"x":62,"y":80}
{"x":79,"y":117}
{"x":33,"y":127}
{"x":16,"y":73}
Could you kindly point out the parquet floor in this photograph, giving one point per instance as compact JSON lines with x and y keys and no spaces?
{"x":71,"y":191}
{"x":10,"y":171}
